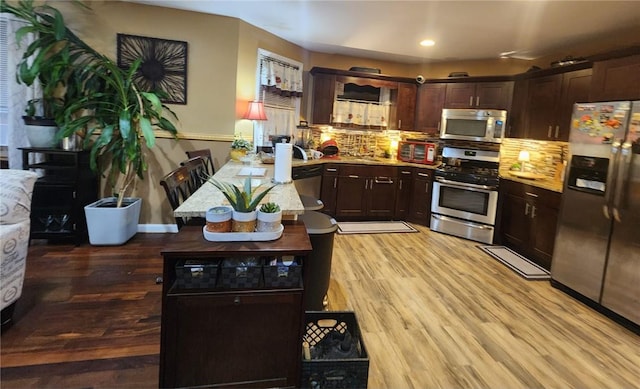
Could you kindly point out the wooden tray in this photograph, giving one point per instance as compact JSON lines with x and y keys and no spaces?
{"x":242,"y":236}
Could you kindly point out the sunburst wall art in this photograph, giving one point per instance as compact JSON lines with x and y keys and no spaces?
{"x":163,"y":68}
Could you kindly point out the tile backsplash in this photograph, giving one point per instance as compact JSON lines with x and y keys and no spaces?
{"x":546,"y":157}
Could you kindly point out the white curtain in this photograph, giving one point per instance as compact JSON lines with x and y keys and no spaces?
{"x":276,"y":74}
{"x":18,"y":94}
{"x":281,"y":122}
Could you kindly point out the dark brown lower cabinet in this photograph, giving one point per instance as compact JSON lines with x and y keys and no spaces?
{"x":529,"y":220}
{"x":420,"y":199}
{"x":240,"y":338}
{"x":233,"y":338}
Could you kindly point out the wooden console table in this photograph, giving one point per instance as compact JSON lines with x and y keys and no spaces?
{"x":216,"y":337}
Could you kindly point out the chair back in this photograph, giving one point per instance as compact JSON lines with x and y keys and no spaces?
{"x":206,"y":155}
{"x":197,"y":172}
{"x":178,"y":187}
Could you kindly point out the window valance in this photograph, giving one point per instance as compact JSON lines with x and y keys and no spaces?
{"x":280,"y":77}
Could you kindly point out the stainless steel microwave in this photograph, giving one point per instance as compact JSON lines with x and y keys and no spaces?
{"x":481,"y":125}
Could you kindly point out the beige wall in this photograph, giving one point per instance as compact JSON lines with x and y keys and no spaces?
{"x":222,"y":58}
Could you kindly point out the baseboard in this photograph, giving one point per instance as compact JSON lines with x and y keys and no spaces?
{"x":157,"y":228}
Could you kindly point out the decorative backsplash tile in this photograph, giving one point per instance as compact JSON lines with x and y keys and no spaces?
{"x":546,"y":157}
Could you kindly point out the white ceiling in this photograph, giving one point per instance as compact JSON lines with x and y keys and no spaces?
{"x":463,"y":30}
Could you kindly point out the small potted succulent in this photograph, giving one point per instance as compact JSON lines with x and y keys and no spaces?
{"x":239,"y":148}
{"x":244,"y":201}
{"x":269,"y":217}
{"x":219,"y":219}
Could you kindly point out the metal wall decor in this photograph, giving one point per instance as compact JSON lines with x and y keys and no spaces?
{"x":163,"y":68}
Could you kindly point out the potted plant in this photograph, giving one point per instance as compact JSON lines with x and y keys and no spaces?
{"x":244,"y":201}
{"x":219,"y":219}
{"x":103,"y":102}
{"x":239,"y":148}
{"x":54,"y":60}
{"x":269,"y":216}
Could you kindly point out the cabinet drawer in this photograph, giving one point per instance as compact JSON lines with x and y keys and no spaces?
{"x":530,"y":192}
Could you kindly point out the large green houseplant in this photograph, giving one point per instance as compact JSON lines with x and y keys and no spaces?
{"x":53,"y":59}
{"x":101,"y":100}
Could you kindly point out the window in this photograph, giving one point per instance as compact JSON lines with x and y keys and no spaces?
{"x":279,"y":87}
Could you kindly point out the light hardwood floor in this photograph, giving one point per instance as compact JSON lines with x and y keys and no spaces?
{"x":437,"y":312}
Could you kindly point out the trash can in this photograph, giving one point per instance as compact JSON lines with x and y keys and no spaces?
{"x":317,"y":268}
{"x":311,"y":203}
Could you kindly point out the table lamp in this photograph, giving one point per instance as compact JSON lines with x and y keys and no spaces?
{"x":523,"y":157}
{"x":255,"y":111}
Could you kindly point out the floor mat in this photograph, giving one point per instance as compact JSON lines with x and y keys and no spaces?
{"x":374,"y":227}
{"x":517,"y":262}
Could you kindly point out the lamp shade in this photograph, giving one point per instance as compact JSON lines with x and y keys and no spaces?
{"x":255,"y":111}
{"x":523,"y":156}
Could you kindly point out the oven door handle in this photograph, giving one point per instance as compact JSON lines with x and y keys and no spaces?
{"x":465,"y":185}
{"x":466,"y":223}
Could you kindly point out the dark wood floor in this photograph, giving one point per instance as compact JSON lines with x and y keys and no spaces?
{"x":434,"y":311}
{"x":88,"y":317}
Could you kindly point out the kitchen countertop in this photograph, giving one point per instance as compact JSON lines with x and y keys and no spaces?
{"x":287,"y":196}
{"x":545,"y":183}
{"x":208,"y":196}
{"x":361,"y":161}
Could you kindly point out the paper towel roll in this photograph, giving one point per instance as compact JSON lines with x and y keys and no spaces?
{"x":282,"y":165}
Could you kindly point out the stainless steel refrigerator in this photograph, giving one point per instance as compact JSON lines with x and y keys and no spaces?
{"x":597,"y":249}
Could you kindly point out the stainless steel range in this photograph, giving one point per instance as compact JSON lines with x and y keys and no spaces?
{"x":465,"y":194}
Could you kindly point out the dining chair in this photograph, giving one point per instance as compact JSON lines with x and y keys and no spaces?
{"x":197,"y":172}
{"x":178,"y":187}
{"x":206,"y":155}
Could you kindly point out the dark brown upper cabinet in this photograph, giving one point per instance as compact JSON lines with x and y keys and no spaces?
{"x":429,"y":104}
{"x":480,"y":95}
{"x":548,"y":106}
{"x":616,"y":79}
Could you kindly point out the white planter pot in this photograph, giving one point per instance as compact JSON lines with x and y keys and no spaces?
{"x":109,"y":225}
{"x":268,"y":222}
{"x":42,"y":136}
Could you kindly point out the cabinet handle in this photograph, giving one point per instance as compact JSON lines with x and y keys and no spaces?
{"x":426,"y":187}
{"x":353,"y":176}
{"x":477,"y":101}
{"x":470,"y":101}
{"x":399,"y":123}
{"x":423,"y":174}
{"x":531,"y":194}
{"x":332,"y":169}
{"x":335,"y":182}
{"x":438,"y":126}
{"x":557,"y":131}
{"x":549,"y":132}
{"x":236,"y":300}
{"x":405,"y":172}
{"x":386,"y":180}
{"x":526,"y":209}
{"x":400,"y":188}
{"x":533,"y":211}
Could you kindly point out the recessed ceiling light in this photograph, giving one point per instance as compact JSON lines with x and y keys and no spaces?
{"x":427,"y":42}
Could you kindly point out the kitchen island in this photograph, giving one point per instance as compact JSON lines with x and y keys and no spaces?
{"x":208,"y":196}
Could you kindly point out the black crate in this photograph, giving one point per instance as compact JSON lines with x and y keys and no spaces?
{"x":240,"y":276}
{"x":348,"y":372}
{"x":191,"y":274}
{"x":281,"y":275}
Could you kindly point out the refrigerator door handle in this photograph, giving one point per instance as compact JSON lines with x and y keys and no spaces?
{"x":621,"y":181}
{"x":611,"y":181}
